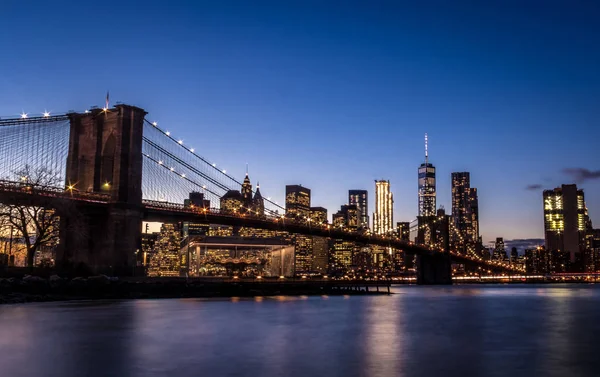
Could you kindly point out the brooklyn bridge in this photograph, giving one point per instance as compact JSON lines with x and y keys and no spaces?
{"x":113,"y":169}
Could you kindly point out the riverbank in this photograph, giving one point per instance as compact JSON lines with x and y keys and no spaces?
{"x":38,"y":289}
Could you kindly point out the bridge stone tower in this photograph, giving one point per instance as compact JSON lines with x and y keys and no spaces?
{"x":105,"y":156}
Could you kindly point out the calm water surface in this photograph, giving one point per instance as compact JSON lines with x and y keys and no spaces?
{"x":419,"y":331}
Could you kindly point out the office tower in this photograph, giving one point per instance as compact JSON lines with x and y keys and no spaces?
{"x":320,"y":254}
{"x":403,"y":229}
{"x":297,"y":202}
{"x":347,"y":217}
{"x":303,"y":254}
{"x":465,"y":214}
{"x":514,"y":255}
{"x":427,"y":193}
{"x":196,"y":199}
{"x":499,"y":250}
{"x":340,"y":260}
{"x":565,"y":220}
{"x":359,"y":198}
{"x":383,"y":218}
{"x":318,"y":215}
{"x":537,"y":261}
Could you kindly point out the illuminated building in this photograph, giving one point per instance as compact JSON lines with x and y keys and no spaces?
{"x":427,"y":194}
{"x":303,"y":251}
{"x":232,"y":202}
{"x":359,"y":198}
{"x":320,"y":250}
{"x":196,"y":199}
{"x":383,"y":218}
{"x":499,"y":250}
{"x":595,"y":246}
{"x":347,"y":217}
{"x":297,"y":202}
{"x":340,"y":260}
{"x":165,"y":259}
{"x":537,"y":261}
{"x":514,"y":255}
{"x":148,"y":242}
{"x":318,"y":215}
{"x":403,"y":229}
{"x":565,"y":222}
{"x":465,"y":214}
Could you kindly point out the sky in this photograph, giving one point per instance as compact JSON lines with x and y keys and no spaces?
{"x":335,"y":94}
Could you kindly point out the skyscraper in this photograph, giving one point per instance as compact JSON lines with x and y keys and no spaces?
{"x":383,"y":218}
{"x":565,"y":220}
{"x":359,"y":198}
{"x":465,"y":214}
{"x":297,"y":201}
{"x":427,"y":193}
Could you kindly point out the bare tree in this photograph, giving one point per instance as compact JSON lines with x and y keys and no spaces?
{"x":37,"y":223}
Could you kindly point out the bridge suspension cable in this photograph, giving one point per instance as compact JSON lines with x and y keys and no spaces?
{"x":162,"y":147}
{"x":32,"y":144}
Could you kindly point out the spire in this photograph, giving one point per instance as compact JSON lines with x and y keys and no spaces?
{"x":246,"y":169}
{"x":426,"y":151}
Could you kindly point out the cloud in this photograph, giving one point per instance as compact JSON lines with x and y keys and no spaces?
{"x":581,"y":175}
{"x":533,"y":187}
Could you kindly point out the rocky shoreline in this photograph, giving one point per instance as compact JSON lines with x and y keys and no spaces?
{"x":55,"y":288}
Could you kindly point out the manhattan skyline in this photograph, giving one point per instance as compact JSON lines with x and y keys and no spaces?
{"x":334,"y":98}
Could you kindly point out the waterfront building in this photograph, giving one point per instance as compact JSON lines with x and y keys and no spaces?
{"x":565,"y":222}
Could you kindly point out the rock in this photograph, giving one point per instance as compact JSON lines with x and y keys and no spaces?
{"x":34,"y":280}
{"x":99,"y":280}
{"x":55,"y":281}
{"x":78,"y":282}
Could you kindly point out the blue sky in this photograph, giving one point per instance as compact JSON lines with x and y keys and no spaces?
{"x":335,"y":94}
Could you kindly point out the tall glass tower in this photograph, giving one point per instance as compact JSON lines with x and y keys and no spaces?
{"x":426,"y":186}
{"x":383,"y":218}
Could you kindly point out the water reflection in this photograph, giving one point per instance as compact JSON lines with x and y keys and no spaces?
{"x":449,"y":331}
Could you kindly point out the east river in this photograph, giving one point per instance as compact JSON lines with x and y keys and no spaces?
{"x":550,"y":330}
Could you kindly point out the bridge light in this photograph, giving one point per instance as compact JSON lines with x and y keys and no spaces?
{"x":46,"y":114}
{"x":214,"y":164}
{"x":155,"y":124}
{"x":167,"y":133}
{"x":23,"y":178}
{"x":172,"y":169}
{"x":182,"y":175}
{"x":192,"y":150}
{"x":160,"y":162}
{"x":224,"y":171}
{"x":106,"y":184}
{"x":70,"y":187}
{"x":180,"y":141}
{"x":86,"y":111}
{"x":204,"y":186}
{"x":24,"y":115}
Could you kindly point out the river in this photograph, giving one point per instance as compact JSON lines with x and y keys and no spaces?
{"x":419,"y":331}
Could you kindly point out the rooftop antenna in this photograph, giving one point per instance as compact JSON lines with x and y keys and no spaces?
{"x":246,"y":168}
{"x":426,"y":152}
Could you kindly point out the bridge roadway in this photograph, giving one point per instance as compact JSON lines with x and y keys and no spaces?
{"x":172,"y":212}
{"x":20,"y":193}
